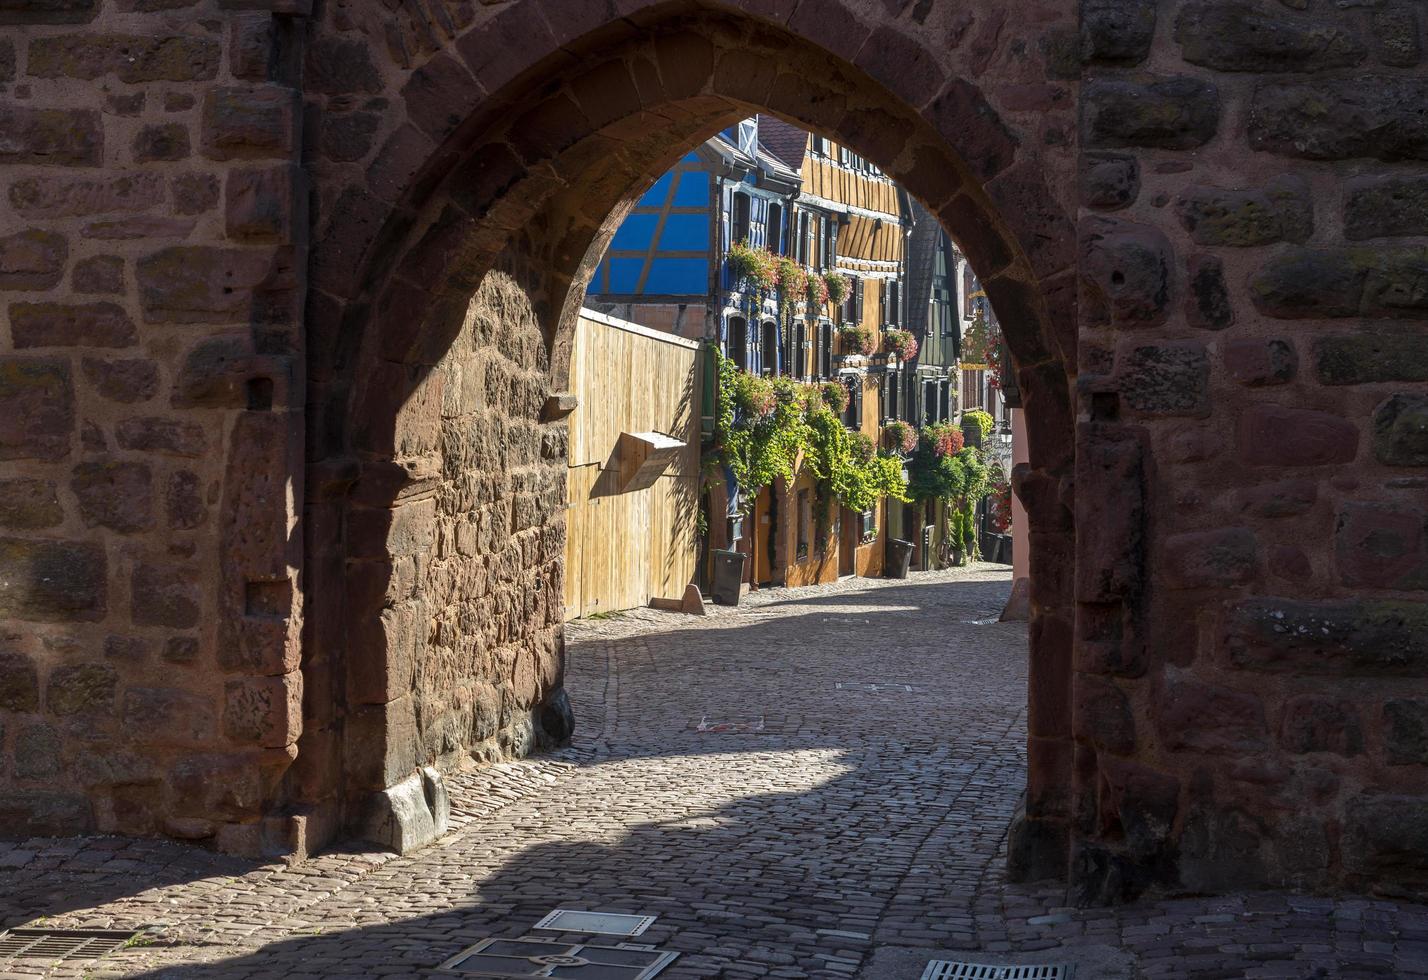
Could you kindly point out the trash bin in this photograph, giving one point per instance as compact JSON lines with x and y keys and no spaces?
{"x":899,"y":557}
{"x":728,"y":576}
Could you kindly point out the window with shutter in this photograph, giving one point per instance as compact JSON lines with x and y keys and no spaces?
{"x":857,"y":302}
{"x":739,"y":223}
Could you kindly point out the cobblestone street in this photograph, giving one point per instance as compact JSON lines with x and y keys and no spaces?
{"x":786,"y":805}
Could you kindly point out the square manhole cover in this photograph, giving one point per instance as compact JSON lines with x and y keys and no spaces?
{"x":529,"y":957}
{"x":61,"y":944}
{"x":600,"y":923}
{"x":957,"y":970}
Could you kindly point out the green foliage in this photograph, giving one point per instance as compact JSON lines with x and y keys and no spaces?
{"x":837,"y":284}
{"x":754,"y":266}
{"x":817,"y":292}
{"x":762,"y":429}
{"x":902,"y":343}
{"x":900,"y":436}
{"x":836,"y":395}
{"x":857,"y":340}
{"x":983,"y":420}
{"x":976,"y":340}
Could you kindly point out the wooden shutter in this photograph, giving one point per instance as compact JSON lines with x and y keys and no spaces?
{"x":857,"y":301}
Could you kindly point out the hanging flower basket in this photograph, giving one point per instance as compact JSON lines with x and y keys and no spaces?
{"x":837,"y":284}
{"x":752,"y":395}
{"x":754,"y":266}
{"x":899,"y":437}
{"x":857,"y":340}
{"x":902,"y":343}
{"x":944,"y":438}
{"x":817,"y":290}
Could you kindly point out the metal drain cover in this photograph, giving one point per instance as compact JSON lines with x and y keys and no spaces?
{"x":958,"y":970}
{"x":531,"y":957}
{"x":875,"y":688}
{"x":61,"y":944}
{"x":599,"y":923}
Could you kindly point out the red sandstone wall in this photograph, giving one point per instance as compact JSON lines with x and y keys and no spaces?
{"x":152,"y":270}
{"x":1251,"y":637}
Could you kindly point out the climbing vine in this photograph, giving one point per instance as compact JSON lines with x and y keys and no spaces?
{"x":763,"y":428}
{"x":941,"y":468}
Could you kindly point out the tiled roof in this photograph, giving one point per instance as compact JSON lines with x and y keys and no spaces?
{"x":784,"y":140}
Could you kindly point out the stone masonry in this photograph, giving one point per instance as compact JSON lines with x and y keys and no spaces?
{"x":289,"y":297}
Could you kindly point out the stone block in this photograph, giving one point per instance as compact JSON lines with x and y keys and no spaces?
{"x":1382,"y":546}
{"x":44,"y":813}
{"x":1385,"y":836}
{"x":19,"y":684}
{"x":382,"y":743}
{"x":249,"y":123}
{"x":1378,"y":355}
{"x":1400,"y":430}
{"x":1165,"y":379}
{"x":116,"y":495}
{"x":266,"y":711}
{"x":1145,"y":803}
{"x":347,"y":137}
{"x":37,"y":753}
{"x":170,"y":437}
{"x":81,"y":689}
{"x":1346,"y":638}
{"x":36,"y":408}
{"x":195,"y":193}
{"x":52,"y":581}
{"x":28,"y":504}
{"x":1109,"y":181}
{"x":164,"y":595}
{"x":252,"y":47}
{"x":1234,"y":35}
{"x":49,"y":11}
{"x":99,"y":274}
{"x":202,"y":284}
{"x":1261,"y":363}
{"x":122,"y":380}
{"x":71,"y":325}
{"x":1127,"y":266}
{"x":340,"y":66}
{"x":1310,"y":283}
{"x":128,"y":650}
{"x":1312,"y":723}
{"x":1383,"y":206}
{"x":261,"y":204}
{"x":1222,"y":558}
{"x":180,"y":650}
{"x":1405,"y":732}
{"x":132,"y":58}
{"x":32,"y":259}
{"x":1222,"y":847}
{"x":164,"y":141}
{"x":168,"y":716}
{"x":1282,"y":498}
{"x":217,"y":786}
{"x":1102,"y":715}
{"x":1282,"y":211}
{"x":1397,"y":35}
{"x":51,"y":137}
{"x":1193,"y":716}
{"x":1340,"y":119}
{"x":59,"y":197}
{"x":1109,"y":467}
{"x":1271,"y":435}
{"x":408,"y":815}
{"x":1207,"y":302}
{"x":1174,"y":112}
{"x":183,"y":501}
{"x":1116,"y":32}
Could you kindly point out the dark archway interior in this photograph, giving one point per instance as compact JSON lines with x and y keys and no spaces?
{"x":503,"y":227}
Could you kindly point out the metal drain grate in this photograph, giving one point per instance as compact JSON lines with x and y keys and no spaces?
{"x":956,"y":970}
{"x":599,"y":923}
{"x":61,"y":944}
{"x":875,"y":688}
{"x":527,"y":957}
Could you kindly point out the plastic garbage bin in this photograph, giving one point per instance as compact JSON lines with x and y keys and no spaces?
{"x":899,"y":557}
{"x":728,"y":576}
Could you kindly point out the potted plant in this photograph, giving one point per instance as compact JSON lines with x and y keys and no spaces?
{"x":857,"y":340}
{"x":901,"y":343}
{"x":817,"y":288}
{"x":837,"y":285}
{"x":835,"y":395}
{"x":899,"y":436}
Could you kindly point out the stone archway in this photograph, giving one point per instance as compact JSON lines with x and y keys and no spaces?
{"x":205,"y":427}
{"x":516,"y":207}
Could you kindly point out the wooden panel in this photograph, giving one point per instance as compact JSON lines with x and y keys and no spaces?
{"x":623,"y":548}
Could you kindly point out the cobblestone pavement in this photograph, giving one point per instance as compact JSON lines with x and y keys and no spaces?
{"x":815,"y":784}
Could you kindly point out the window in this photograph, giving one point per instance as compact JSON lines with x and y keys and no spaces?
{"x":830,"y":242}
{"x":774,"y":235}
{"x":853,"y":414}
{"x":737,"y":342}
{"x":845,"y":312}
{"x":801,"y":246}
{"x":739,"y":220}
{"x":868,"y":524}
{"x":768,"y":350}
{"x":798,"y":356}
{"x":815,"y":240}
{"x":857,"y":293}
{"x":929,"y":403}
{"x":889,"y":297}
{"x":825,"y":349}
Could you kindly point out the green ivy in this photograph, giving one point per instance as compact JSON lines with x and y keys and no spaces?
{"x":761,"y":441}
{"x":983,"y":420}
